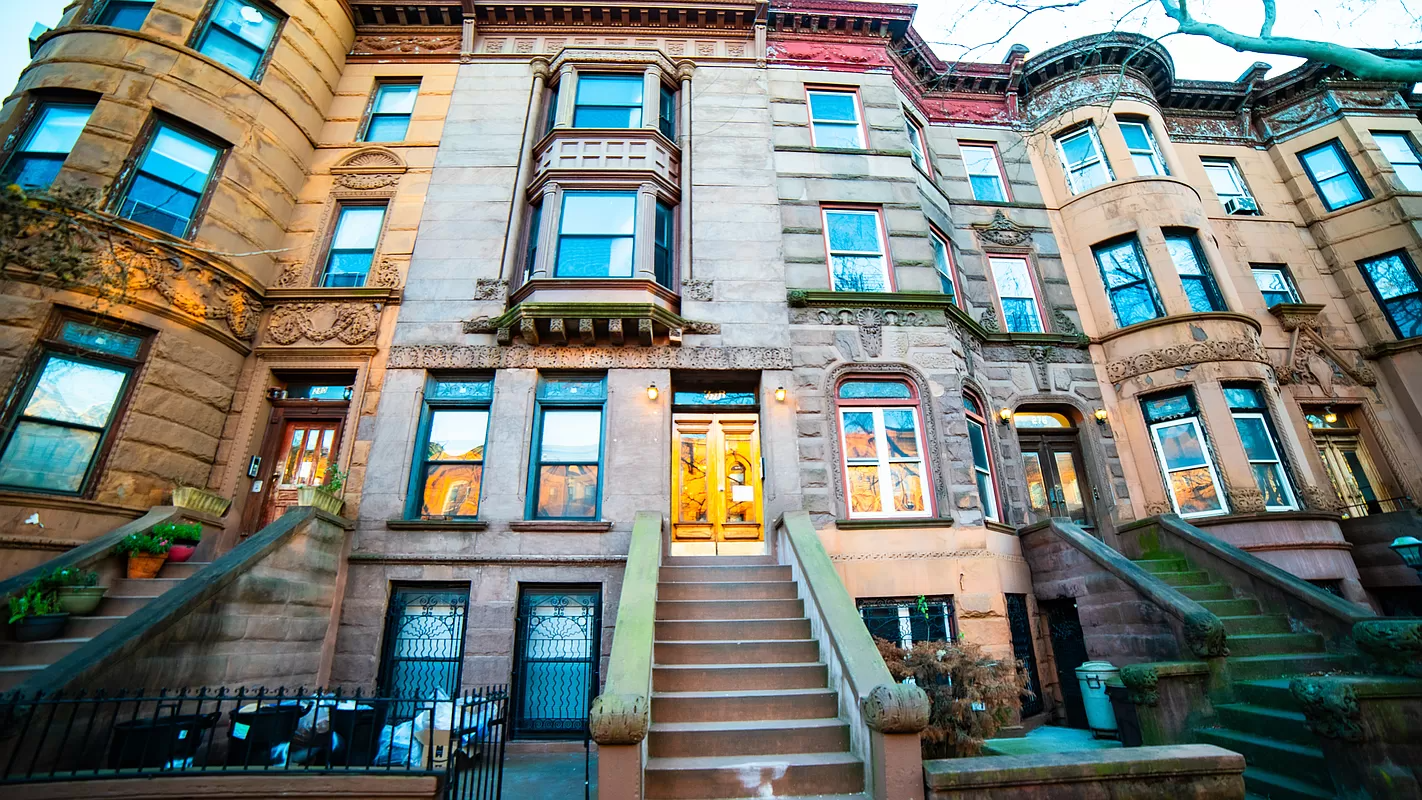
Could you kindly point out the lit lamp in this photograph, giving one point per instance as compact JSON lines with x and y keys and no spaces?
{"x":653,"y":392}
{"x":1100,"y":416}
{"x":780,"y":394}
{"x":1005,"y":415}
{"x":1329,"y":416}
{"x":1410,"y":549}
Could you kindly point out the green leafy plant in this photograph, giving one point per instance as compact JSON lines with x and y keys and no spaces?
{"x":335,"y":480}
{"x":35,"y":602}
{"x":67,"y":577}
{"x":178,"y":532}
{"x":142,"y":544}
{"x":970,"y":694}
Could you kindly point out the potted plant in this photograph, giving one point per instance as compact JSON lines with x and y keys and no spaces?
{"x":198,"y":499}
{"x":36,"y":615}
{"x":146,"y":553}
{"x":327,"y":495}
{"x":182,"y":539}
{"x":76,"y":590}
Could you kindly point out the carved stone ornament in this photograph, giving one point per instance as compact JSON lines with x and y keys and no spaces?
{"x":385,"y":275}
{"x":491,"y":289}
{"x":697,"y":290}
{"x":351,"y":323}
{"x":896,"y":708}
{"x":368,"y":169}
{"x":989,"y":320}
{"x":406,"y":44}
{"x":618,"y":719}
{"x":1322,"y":499}
{"x":1179,"y":355}
{"x":1247,"y":501}
{"x":1002,"y":231}
{"x":1064,"y":323}
{"x":444,"y":356}
{"x":1330,"y":706}
{"x":184,"y":283}
{"x":1395,"y":644}
{"x":1311,"y":358}
{"x":871,"y":322}
{"x":1155,"y":509}
{"x":364,"y":182}
{"x":1205,"y":635}
{"x":1142,"y":682}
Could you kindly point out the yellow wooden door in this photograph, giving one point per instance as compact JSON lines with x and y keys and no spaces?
{"x":716,"y":478}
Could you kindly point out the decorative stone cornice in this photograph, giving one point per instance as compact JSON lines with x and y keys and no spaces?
{"x":1179,"y":355}
{"x":838,"y":303}
{"x":1002,"y":232}
{"x":447,"y":356}
{"x":616,"y":323}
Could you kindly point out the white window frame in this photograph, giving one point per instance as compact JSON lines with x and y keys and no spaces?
{"x":1157,"y":158}
{"x":1236,"y":177}
{"x":989,"y":504}
{"x":993,"y":260}
{"x":1284,"y":274}
{"x":1409,"y":145}
{"x":918,"y":144}
{"x":884,"y":463}
{"x":882,"y":238}
{"x":1069,"y":169}
{"x":1000,"y":174}
{"x":858,"y":115}
{"x":1165,"y":470}
{"x":1277,"y":462}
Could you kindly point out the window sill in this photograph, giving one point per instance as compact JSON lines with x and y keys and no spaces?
{"x":1000,"y":527}
{"x":436,"y":524}
{"x":559,"y":526}
{"x":330,"y":294}
{"x":892,"y":522}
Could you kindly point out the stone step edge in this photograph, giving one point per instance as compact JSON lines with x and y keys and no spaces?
{"x":746,"y":725}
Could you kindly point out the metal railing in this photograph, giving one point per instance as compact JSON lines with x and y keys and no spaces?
{"x":1387,"y":505}
{"x":58,"y":737}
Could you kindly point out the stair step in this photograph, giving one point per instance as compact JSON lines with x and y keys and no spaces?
{"x":755,"y":737}
{"x":762,"y":572}
{"x":728,"y":590}
{"x":142,"y":586}
{"x":750,"y":651}
{"x":1269,"y":692}
{"x":1157,"y":565}
{"x":123,"y":605}
{"x":1211,"y":591}
{"x":1275,"y":755}
{"x":1232,"y":607}
{"x":89,"y":627}
{"x":1277,"y":723}
{"x":182,"y":570}
{"x":1273,"y":786}
{"x":1263,"y":644}
{"x":723,"y":629}
{"x":718,"y":561}
{"x":742,"y":705}
{"x":1273,"y":666}
{"x":10,"y":677}
{"x":763,"y":776}
{"x":730,"y":609}
{"x":1194,"y":577}
{"x":38,"y":654}
{"x":737,"y":677}
{"x":1255,"y":623}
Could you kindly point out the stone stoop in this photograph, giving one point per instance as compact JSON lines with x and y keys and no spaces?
{"x":741,"y":706}
{"x":21,"y":661}
{"x":1283,"y":758}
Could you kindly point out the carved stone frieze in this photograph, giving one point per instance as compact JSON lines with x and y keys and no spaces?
{"x":1330,"y":707}
{"x":386,"y":274}
{"x":663,"y":357}
{"x":366,"y":182}
{"x":1179,"y":355}
{"x":698,"y":290}
{"x":184,"y":283}
{"x":1002,"y":232}
{"x":1319,"y":498}
{"x":1247,"y":501}
{"x":406,"y":44}
{"x":869,"y":321}
{"x":350,"y":323}
{"x":491,"y":289}
{"x":1064,"y":323}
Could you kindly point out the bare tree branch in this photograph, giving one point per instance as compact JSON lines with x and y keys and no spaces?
{"x":1266,"y":29}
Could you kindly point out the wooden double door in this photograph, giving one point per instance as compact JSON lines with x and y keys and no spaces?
{"x":716,"y":478}
{"x":1057,"y":483}
{"x":302,"y":442}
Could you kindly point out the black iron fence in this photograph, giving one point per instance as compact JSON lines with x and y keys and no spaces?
{"x":1387,"y":505}
{"x":459,"y":740}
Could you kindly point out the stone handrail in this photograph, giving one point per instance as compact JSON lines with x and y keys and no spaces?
{"x":1203,"y":632}
{"x":619,"y":716}
{"x":91,"y":552}
{"x":885,"y":716}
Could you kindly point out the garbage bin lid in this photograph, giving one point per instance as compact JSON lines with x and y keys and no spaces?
{"x":1097,"y":667}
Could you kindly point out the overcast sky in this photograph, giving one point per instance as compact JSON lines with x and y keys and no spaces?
{"x":974,"y":23}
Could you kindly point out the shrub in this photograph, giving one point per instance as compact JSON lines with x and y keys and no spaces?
{"x":142,"y":544}
{"x":334,"y":481}
{"x":36,"y":601}
{"x":957,"y":676}
{"x":65,"y":577}
{"x":179,"y":532}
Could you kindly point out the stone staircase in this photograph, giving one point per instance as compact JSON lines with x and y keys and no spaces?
{"x":740,"y":704}
{"x":21,"y":661}
{"x":1284,"y":760}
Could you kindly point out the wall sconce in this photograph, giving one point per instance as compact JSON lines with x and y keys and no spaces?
{"x":780,"y":394}
{"x":276,"y":393}
{"x":1100,"y":416}
{"x":653,"y":392}
{"x":1329,"y":415}
{"x":1005,"y":415}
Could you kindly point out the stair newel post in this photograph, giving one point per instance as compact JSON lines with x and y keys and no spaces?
{"x":619,"y":717}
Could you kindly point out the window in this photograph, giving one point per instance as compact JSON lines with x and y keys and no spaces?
{"x":881,"y":434}
{"x":239,"y":35}
{"x":608,"y":101}
{"x":1261,"y":446}
{"x":834,"y":119}
{"x":1141,"y":144}
{"x":1128,"y":282}
{"x":423,"y":648}
{"x":1402,"y":153}
{"x":530,"y":256}
{"x":596,"y":235}
{"x":984,"y":172}
{"x":943,"y":264}
{"x":856,"y":251}
{"x":1185,"y":460}
{"x":69,"y":403}
{"x":550,"y":117}
{"x":1229,"y":185}
{"x":663,"y":241}
{"x":1275,"y":284}
{"x":1333,"y":176}
{"x":171,"y":180}
{"x":1393,"y":279}
{"x":982,"y":460}
{"x":918,"y":147}
{"x":666,"y":113}
{"x":128,"y":14}
{"x":390,"y":110}
{"x":1194,"y":271}
{"x":449,"y":454}
{"x":906,"y":621}
{"x":1017,"y":294}
{"x":568,"y":449}
{"x":1081,"y":155}
{"x":47,"y":142}
{"x":353,"y":245}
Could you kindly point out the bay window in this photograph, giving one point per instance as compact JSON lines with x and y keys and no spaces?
{"x":666,"y":113}
{"x":239,"y":35}
{"x":1195,"y":275}
{"x":983,"y":474}
{"x":170,"y":181}
{"x":449,"y":453}
{"x":1398,"y":290}
{"x":882,"y":440}
{"x":608,"y":101}
{"x":596,"y":235}
{"x":126,"y":14}
{"x":1191,"y":479}
{"x":1261,"y":446}
{"x":48,"y":139}
{"x":1128,"y":281}
{"x":856,"y":250}
{"x":1141,"y":144}
{"x":1334,"y":178}
{"x":1085,"y":166}
{"x":1017,"y":293}
{"x":566,"y":475}
{"x":834,"y":119}
{"x":352,"y":248}
{"x":1401,"y":152}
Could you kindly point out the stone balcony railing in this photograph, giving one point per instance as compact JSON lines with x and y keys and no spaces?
{"x":570,"y":154}
{"x":1181,"y":340}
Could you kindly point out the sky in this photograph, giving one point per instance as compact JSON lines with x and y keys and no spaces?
{"x":954,"y":27}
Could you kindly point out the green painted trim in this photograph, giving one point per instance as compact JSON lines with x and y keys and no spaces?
{"x":92,"y":551}
{"x":629,"y":668}
{"x":823,"y":298}
{"x":588,"y":311}
{"x":889,"y":524}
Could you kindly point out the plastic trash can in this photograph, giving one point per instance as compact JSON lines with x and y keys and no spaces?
{"x":355,"y":730}
{"x":257,"y":733}
{"x":1092,"y":677}
{"x":162,"y":741}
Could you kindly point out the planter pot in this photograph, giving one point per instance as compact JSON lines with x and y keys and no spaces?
{"x":178,"y":553}
{"x":311,"y":496}
{"x":145,"y":565}
{"x":80,"y":600}
{"x":200,"y":500}
{"x":40,"y":628}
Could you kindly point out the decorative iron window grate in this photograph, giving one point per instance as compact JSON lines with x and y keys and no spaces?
{"x":556,"y":674}
{"x":905,"y":621}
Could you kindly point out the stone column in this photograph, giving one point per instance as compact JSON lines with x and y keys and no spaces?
{"x":551,"y":210}
{"x":651,"y":96}
{"x":567,"y":94}
{"x":683,"y":136}
{"x":644,"y":260}
{"x":468,"y":36}
{"x":525,"y":167}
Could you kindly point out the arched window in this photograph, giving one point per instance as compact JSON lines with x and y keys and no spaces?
{"x":881,"y":437}
{"x":982,"y":459}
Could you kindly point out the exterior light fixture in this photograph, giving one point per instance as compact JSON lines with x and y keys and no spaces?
{"x":1410,"y":549}
{"x":653,"y":392}
{"x":1100,"y":416}
{"x":1005,"y":415}
{"x":780,"y":394}
{"x":1329,"y":415}
{"x":276,"y":393}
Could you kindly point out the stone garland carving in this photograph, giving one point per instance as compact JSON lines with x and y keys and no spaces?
{"x":1063,"y":323}
{"x":405,"y":45}
{"x":896,"y":708}
{"x":698,"y":290}
{"x":1205,"y":635}
{"x":351,"y":323}
{"x":1395,"y":644}
{"x":195,"y":290}
{"x":1244,"y":349}
{"x":1330,"y":707}
{"x":1247,"y":501}
{"x":871,"y":322}
{"x":367,"y":181}
{"x":1002,"y":231}
{"x":1141,"y":682}
{"x":491,"y":289}
{"x":384,"y":274}
{"x":441,"y":356}
{"x":618,"y":718}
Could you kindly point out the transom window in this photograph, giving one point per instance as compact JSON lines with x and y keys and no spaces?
{"x":1081,"y":156}
{"x":856,"y":251}
{"x":597,"y":235}
{"x":881,"y":433}
{"x":1229,"y":185}
{"x":943,"y":264}
{"x":1128,"y":282}
{"x":984,"y":172}
{"x":1261,"y":446}
{"x":567,"y":448}
{"x":1017,"y":293}
{"x":390,"y":110}
{"x":239,"y":35}
{"x":983,"y":473}
{"x":127,"y":14}
{"x":1401,"y":152}
{"x":1195,"y":275}
{"x":1140,"y":142}
{"x":1191,"y":480}
{"x":834,"y":119}
{"x":352,"y":247}
{"x":608,"y":101}
{"x":449,"y":453}
{"x":1275,"y":284}
{"x":918,"y":147}
{"x":171,"y":180}
{"x":1393,"y":279}
{"x":1334,"y":178}
{"x":906,"y":621}
{"x":50,"y":136}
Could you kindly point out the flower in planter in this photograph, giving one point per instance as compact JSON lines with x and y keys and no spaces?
{"x":178,"y":532}
{"x":35,"y":602}
{"x":143,"y":544}
{"x":335,"y":480}
{"x":69,"y":577}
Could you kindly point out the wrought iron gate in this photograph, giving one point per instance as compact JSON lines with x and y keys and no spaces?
{"x":555,"y":674}
{"x":1021,"y":629}
{"x":424,"y":645}
{"x":1069,"y":652}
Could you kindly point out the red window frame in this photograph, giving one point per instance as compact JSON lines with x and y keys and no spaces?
{"x":858,"y":111}
{"x":997,"y":159}
{"x":914,"y":401}
{"x":922,"y":143}
{"x":983,"y":419}
{"x":1031,"y":277}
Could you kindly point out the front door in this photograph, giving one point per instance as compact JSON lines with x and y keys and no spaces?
{"x":302,"y":442}
{"x":1056,"y":480}
{"x":1350,"y":471}
{"x":558,"y":634}
{"x":716,"y":479}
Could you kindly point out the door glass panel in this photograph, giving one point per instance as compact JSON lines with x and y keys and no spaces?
{"x":740,"y":489}
{"x":1069,"y":487}
{"x":691,"y":461}
{"x":1036,"y":483}
{"x":1358,"y":475}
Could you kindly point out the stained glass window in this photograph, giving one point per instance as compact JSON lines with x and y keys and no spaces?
{"x":883,"y":450}
{"x":1128,"y":282}
{"x":1395,"y":284}
{"x":568,"y":449}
